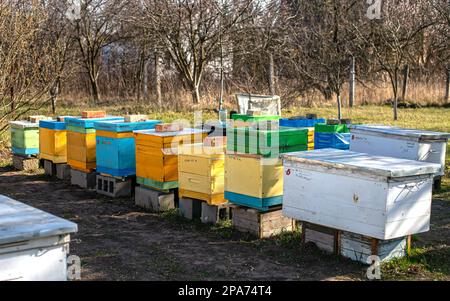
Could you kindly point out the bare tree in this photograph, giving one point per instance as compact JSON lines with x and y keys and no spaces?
{"x":96,"y":27}
{"x":190,"y":31}
{"x":393,"y":38}
{"x":30,"y":63}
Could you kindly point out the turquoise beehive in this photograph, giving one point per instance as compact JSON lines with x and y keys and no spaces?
{"x":116,"y":154}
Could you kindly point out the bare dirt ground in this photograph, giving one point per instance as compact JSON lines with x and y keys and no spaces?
{"x":118,"y":241}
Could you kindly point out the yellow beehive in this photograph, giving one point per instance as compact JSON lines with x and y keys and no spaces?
{"x":156,"y":153}
{"x":53,"y":145}
{"x":201,"y":173}
{"x":254,"y":176}
{"x":81,"y":149}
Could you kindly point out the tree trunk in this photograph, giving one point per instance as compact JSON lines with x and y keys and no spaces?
{"x":352,"y":82}
{"x":271,"y":74}
{"x":339,"y":104}
{"x":405,"y":83}
{"x":157,"y":83}
{"x":447,"y":86}
{"x":145,"y":80}
{"x":195,"y":94}
{"x":95,"y":91}
{"x":54,"y":92}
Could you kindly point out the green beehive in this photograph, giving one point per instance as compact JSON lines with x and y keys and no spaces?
{"x":254,"y":119}
{"x":267,"y":142}
{"x":24,"y":138}
{"x":325,"y":128}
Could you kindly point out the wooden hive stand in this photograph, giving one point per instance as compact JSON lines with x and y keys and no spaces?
{"x":261,"y":224}
{"x":354,"y":246}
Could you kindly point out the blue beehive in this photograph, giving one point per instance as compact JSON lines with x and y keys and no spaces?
{"x":301,"y":123}
{"x":332,"y":140}
{"x":116,"y":155}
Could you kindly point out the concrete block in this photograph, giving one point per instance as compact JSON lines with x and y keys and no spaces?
{"x":83,"y":179}
{"x":190,"y":208}
{"x":63,"y":171}
{"x":113,"y":187}
{"x":214,"y":214}
{"x":154,"y":200}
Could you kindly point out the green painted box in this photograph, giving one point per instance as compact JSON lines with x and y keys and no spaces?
{"x":325,"y":128}
{"x":24,"y":138}
{"x":265,"y":142}
{"x":247,"y":118}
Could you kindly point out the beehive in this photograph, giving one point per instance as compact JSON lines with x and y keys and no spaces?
{"x":157,"y":156}
{"x":81,"y":142}
{"x":253,"y":181}
{"x":379,"y":197}
{"x":201,"y":173}
{"x":115,"y":146}
{"x":306,"y":124}
{"x":400,"y":143}
{"x":269,"y":143}
{"x":24,"y":138}
{"x":241,"y":120}
{"x":53,"y":141}
{"x":332,"y":136}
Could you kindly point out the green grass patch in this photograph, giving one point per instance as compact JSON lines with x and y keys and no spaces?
{"x":424,"y":263}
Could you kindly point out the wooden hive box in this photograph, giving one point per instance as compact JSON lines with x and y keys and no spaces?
{"x":157,"y":155}
{"x":115,"y":146}
{"x":402,"y":143}
{"x":253,"y":181}
{"x":24,"y":138}
{"x":378,"y":197}
{"x":53,"y":141}
{"x":81,"y":142}
{"x":201,"y":173}
{"x":262,"y":224}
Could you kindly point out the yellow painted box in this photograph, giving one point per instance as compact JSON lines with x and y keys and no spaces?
{"x":157,"y":153}
{"x":254,"y":176}
{"x":81,"y":150}
{"x":201,"y":174}
{"x":53,"y":141}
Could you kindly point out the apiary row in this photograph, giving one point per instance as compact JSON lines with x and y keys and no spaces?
{"x":264,"y":170}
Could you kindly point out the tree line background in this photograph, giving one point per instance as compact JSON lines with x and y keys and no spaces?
{"x":184,"y":54}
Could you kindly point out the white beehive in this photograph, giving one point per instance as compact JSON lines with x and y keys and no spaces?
{"x":400,"y":143}
{"x":33,"y":244}
{"x":379,"y":197}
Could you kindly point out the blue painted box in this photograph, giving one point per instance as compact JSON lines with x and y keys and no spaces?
{"x":115,"y":146}
{"x":332,"y":140}
{"x":301,"y":123}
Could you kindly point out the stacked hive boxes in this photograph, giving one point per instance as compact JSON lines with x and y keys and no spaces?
{"x":368,"y":199}
{"x":157,"y":156}
{"x":53,"y":141}
{"x":304,"y":123}
{"x":24,"y":138}
{"x":332,"y":136}
{"x":254,"y":176}
{"x":201,"y":173}
{"x":81,"y":142}
{"x":116,"y":152}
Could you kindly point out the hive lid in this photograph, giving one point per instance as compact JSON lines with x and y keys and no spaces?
{"x":397,"y":131}
{"x":52,"y":125}
{"x":20,"y":222}
{"x":120,"y":126}
{"x":185,"y":132}
{"x":89,"y":123}
{"x":359,"y":162}
{"x":23,"y":124}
